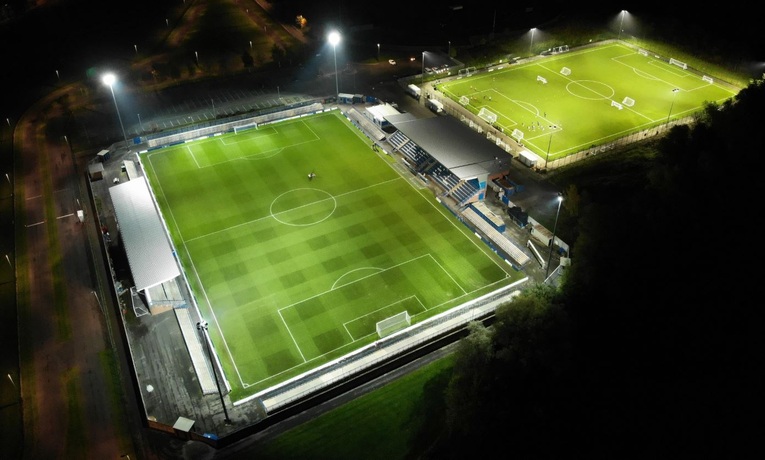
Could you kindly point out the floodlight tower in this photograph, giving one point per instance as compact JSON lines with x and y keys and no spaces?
{"x":422,"y":72}
{"x":334,"y":39}
{"x":621,"y":24}
{"x":531,"y":43}
{"x":202,"y":327}
{"x":552,"y":243}
{"x":109,"y":79}
{"x":674,"y":94}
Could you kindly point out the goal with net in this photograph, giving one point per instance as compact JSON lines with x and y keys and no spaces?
{"x":565,"y":71}
{"x":487,"y":116}
{"x":394,"y":323}
{"x":617,"y":105}
{"x":464,"y":100}
{"x":239,"y":129}
{"x":517,"y":135}
{"x":708,"y":79}
{"x":542,"y":79}
{"x":628,"y":102}
{"x":680,"y":64}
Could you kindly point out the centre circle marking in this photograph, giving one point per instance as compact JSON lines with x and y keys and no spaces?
{"x":302,"y":207}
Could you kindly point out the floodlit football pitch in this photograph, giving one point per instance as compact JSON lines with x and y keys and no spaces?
{"x":293,"y":271}
{"x":567,"y":103}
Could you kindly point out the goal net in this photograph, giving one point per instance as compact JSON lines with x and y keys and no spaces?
{"x":565,"y":71}
{"x":464,"y":100}
{"x":466,"y":72}
{"x":487,"y":116}
{"x":617,"y":105}
{"x":394,"y":323}
{"x":542,"y":79}
{"x":708,"y":79}
{"x":628,"y":101}
{"x":239,"y":129}
{"x":680,"y":64}
{"x":517,"y":135}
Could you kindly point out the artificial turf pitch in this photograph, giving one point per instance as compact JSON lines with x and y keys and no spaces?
{"x":292,"y":271}
{"x":571,"y":113}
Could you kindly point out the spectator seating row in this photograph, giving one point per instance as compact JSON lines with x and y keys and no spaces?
{"x":500,"y":240}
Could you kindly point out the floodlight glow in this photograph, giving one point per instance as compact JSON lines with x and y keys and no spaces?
{"x":109,"y":79}
{"x":334,"y":38}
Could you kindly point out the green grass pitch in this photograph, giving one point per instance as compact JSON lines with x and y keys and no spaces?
{"x":292,"y":272}
{"x":573,"y":112}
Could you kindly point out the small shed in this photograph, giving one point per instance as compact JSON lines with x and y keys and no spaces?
{"x":103,"y":155}
{"x":96,"y":171}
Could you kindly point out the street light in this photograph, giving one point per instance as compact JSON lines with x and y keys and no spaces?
{"x":552,"y":243}
{"x":334,"y":39}
{"x":202,"y":326}
{"x":531,"y":43}
{"x":449,"y":49}
{"x":378,"y":51}
{"x":109,"y":80}
{"x":621,"y":23}
{"x":674,"y":94}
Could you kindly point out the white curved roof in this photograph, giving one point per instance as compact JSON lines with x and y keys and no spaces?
{"x":149,"y":251}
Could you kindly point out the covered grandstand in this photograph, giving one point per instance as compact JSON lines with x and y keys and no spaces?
{"x":459,"y":159}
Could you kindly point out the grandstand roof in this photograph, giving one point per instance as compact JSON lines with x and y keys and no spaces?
{"x":381,"y":111}
{"x":148,"y":249}
{"x":465,"y":152}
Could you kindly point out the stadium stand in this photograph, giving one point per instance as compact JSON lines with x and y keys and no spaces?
{"x":502,"y":242}
{"x":364,"y":124}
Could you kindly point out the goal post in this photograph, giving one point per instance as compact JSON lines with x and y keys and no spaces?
{"x":680,"y":64}
{"x":464,"y":100}
{"x":565,"y":71}
{"x":542,"y":79}
{"x":487,"y":115}
{"x":617,"y":105}
{"x":394,"y":323}
{"x":517,"y":135}
{"x":628,"y":102}
{"x":708,"y":79}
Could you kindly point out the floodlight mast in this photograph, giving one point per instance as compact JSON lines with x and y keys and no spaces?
{"x":621,"y":24}
{"x":334,"y":39}
{"x":531,"y":43}
{"x":674,"y":94}
{"x":109,"y":79}
{"x":202,"y":327}
{"x":552,"y":243}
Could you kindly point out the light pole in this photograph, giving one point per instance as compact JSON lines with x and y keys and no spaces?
{"x":196,"y":55}
{"x":140,"y":123}
{"x":449,"y":49}
{"x":422,"y":72}
{"x":547,"y":157}
{"x":531,"y":43}
{"x":202,"y":326}
{"x":109,"y":80}
{"x":334,"y":39}
{"x":378,"y":51}
{"x":674,"y":93}
{"x":552,"y":243}
{"x":621,"y":23}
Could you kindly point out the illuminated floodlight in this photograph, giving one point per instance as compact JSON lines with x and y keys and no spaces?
{"x":334,"y":39}
{"x":109,"y":79}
